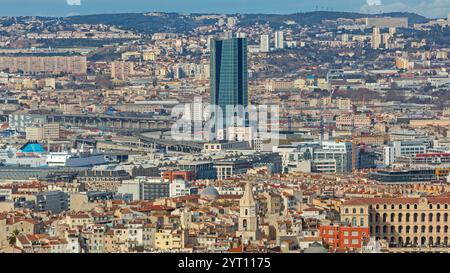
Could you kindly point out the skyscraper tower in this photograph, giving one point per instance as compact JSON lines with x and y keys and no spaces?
{"x":376,"y":38}
{"x":264,"y":45}
{"x":248,"y":218}
{"x":229,"y":75}
{"x":279,"y":39}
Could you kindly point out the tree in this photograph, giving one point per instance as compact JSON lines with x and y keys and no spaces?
{"x":12,"y":239}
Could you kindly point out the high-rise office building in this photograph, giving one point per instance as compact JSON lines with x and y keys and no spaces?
{"x":264,"y":44}
{"x":229,"y":75}
{"x":279,"y":39}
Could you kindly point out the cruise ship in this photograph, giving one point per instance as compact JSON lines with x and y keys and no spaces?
{"x":30,"y":155}
{"x":33,"y":155}
{"x":76,"y":158}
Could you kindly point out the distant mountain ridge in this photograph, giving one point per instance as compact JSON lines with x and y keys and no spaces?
{"x":178,"y":22}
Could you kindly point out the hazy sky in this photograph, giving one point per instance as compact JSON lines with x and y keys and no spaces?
{"x":429,"y":8}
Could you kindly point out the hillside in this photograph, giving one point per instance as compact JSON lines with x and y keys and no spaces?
{"x":173,"y":22}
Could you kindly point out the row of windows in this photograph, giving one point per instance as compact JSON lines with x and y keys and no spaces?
{"x":408,"y":206}
{"x":346,"y":233}
{"x":408,"y":241}
{"x":438,"y":217}
{"x":408,"y":229}
{"x":346,"y":241}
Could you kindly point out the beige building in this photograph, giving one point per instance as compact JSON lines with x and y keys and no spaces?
{"x":168,"y":239}
{"x":48,"y":64}
{"x":49,"y":131}
{"x":348,"y":120}
{"x":429,"y":122}
{"x":122,"y":70}
{"x":376,"y":38}
{"x":405,"y":222}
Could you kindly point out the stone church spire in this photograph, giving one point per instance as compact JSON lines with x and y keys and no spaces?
{"x":248,"y":228}
{"x":247,"y":200}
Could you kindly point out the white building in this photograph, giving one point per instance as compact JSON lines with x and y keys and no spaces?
{"x":264,"y":43}
{"x":403,"y":148}
{"x":279,"y":39}
{"x":179,"y":187}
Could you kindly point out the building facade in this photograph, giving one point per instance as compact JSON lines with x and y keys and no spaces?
{"x":402,"y":222}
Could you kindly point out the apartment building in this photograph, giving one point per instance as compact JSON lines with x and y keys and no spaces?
{"x":46,"y":64}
